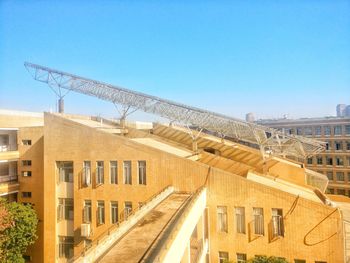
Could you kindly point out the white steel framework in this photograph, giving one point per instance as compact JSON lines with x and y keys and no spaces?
{"x":270,"y":141}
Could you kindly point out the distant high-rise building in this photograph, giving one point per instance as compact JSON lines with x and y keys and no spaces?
{"x":341,"y":110}
{"x":347,"y":111}
{"x":334,"y":162}
{"x":250,"y":117}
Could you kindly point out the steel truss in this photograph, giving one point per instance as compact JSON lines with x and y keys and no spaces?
{"x":270,"y":141}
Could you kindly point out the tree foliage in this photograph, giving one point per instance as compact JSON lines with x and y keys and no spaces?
{"x":20,"y":233}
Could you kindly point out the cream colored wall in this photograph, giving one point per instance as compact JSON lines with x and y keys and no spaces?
{"x":65,"y":140}
{"x":232,"y":191}
{"x":69,"y":141}
{"x":18,"y":120}
{"x":34,"y":183}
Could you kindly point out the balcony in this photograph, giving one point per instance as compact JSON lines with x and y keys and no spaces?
{"x":9,"y":152}
{"x":8,"y":178}
{"x":8,"y":184}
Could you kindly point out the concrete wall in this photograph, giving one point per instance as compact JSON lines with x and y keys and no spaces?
{"x":232,"y":191}
{"x":33,"y":184}
{"x":65,"y":140}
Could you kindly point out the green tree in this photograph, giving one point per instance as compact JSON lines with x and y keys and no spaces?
{"x":265,"y":259}
{"x":20,"y":234}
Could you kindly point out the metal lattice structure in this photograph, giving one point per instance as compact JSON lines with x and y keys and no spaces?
{"x":270,"y":141}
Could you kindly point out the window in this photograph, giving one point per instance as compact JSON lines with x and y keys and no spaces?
{"x":127,"y":172}
{"x":347,"y":129}
{"x":99,"y":173}
{"x":26,"y":194}
{"x":299,"y":131}
{"x":329,"y":160}
{"x":240,"y":219}
{"x":328,"y":147}
{"x":341,"y":191}
{"x":26,"y":173}
{"x":288,"y":131}
{"x":113,"y":172}
{"x":66,"y":245}
{"x":223,"y":256}
{"x":348,"y":160}
{"x":340,"y":176}
{"x":27,"y":258}
{"x":142,"y":172}
{"x":318,"y":130}
{"x":339,"y":161}
{"x":308,"y":131}
{"x":87,"y":210}
{"x":65,"y":209}
{"x":348,"y":146}
{"x":87,"y":173}
{"x":319,"y":160}
{"x":258,"y":214}
{"x":277,"y":223}
{"x":330,"y":191}
{"x":338,"y":146}
{"x":327,"y":130}
{"x":26,"y":162}
{"x":330,"y":176}
{"x":348,"y":176}
{"x":65,"y":171}
{"x":100,"y":212}
{"x":127,"y":209}
{"x":222,"y":218}
{"x":241,"y":258}
{"x":299,"y":261}
{"x":320,"y":262}
{"x":114,"y":212}
{"x":309,"y":160}
{"x":26,"y":142}
{"x":337,"y":130}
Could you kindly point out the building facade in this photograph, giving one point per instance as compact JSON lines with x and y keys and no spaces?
{"x":334,"y":162}
{"x":88,"y":178}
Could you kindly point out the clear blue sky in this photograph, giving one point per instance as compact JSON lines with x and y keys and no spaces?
{"x":233,"y":57}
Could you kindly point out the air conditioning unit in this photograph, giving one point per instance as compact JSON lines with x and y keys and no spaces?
{"x":85,"y":230}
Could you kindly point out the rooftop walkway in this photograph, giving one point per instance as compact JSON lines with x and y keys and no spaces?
{"x":136,"y":243}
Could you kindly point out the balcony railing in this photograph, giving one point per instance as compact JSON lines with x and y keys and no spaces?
{"x":8,"y":147}
{"x":8,"y":178}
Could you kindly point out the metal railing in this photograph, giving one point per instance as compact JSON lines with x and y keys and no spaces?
{"x":8,"y":178}
{"x":114,"y":227}
{"x":8,"y":147}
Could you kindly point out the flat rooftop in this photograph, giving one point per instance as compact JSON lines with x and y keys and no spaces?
{"x":135,"y":244}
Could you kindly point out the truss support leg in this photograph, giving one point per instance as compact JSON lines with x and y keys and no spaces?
{"x":60,"y":105}
{"x":194,"y":146}
{"x":122,"y":122}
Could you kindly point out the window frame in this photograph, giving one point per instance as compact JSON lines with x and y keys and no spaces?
{"x":65,"y":172}
{"x":142,"y":172}
{"x":86,"y":174}
{"x":259,"y":228}
{"x":113,"y":172}
{"x":222,"y":224}
{"x":100,"y":172}
{"x":114,"y":212}
{"x":100,"y":219}
{"x":127,"y":172}
{"x":240,"y":219}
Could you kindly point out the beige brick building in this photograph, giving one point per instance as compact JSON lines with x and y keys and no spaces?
{"x":94,"y":184}
{"x":334,"y":162}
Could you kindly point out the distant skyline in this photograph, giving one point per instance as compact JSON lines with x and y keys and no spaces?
{"x":267,"y":57}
